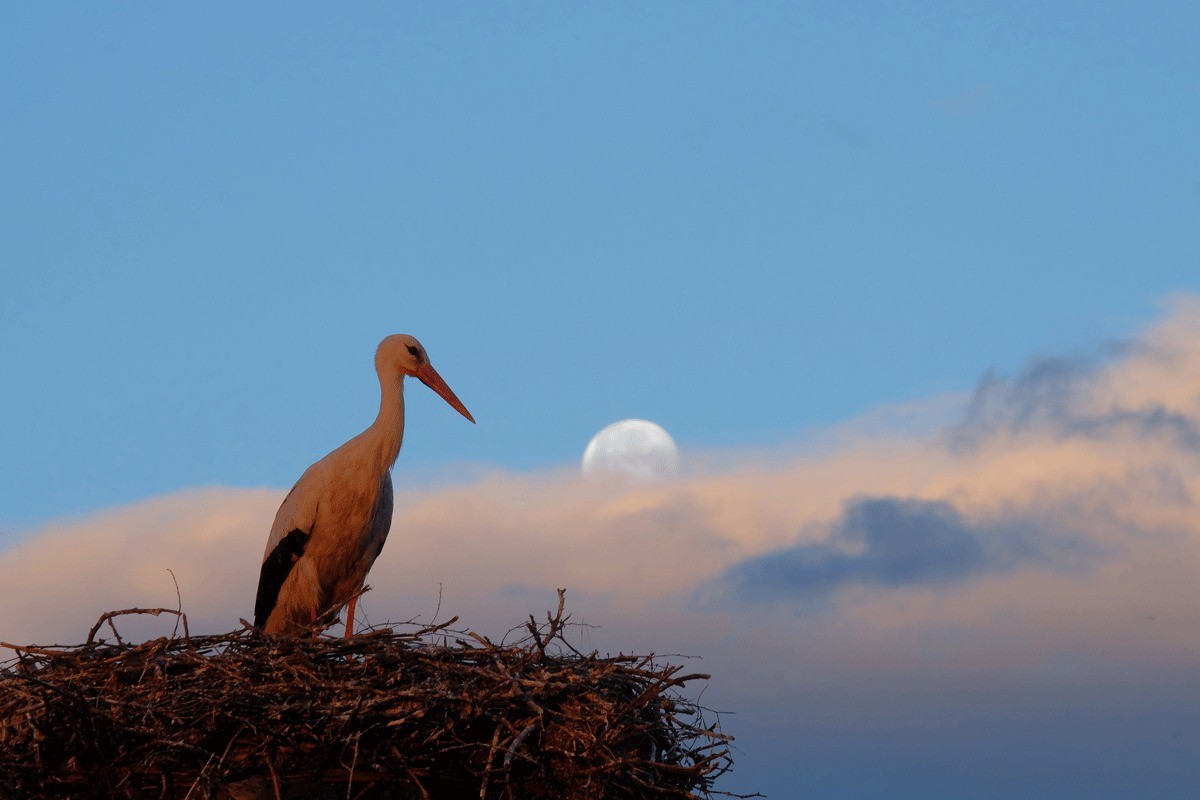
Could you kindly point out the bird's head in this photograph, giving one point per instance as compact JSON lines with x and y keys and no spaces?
{"x":401,"y":354}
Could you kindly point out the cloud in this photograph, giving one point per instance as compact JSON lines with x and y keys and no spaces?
{"x":1050,"y":396}
{"x":1040,"y":396}
{"x":1134,"y":390}
{"x":895,"y":542}
{"x":887,"y":541}
{"x":1024,"y":574}
{"x":55,"y":584}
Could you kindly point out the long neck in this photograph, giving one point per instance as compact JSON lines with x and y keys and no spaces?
{"x":387,"y":431}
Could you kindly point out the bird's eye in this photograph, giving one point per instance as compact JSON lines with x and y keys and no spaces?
{"x":412,"y":350}
{"x":415,"y":353}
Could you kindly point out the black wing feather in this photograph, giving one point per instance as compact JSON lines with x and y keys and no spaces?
{"x":275,"y":570}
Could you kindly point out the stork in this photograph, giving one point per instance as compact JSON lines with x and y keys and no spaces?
{"x":333,"y":523}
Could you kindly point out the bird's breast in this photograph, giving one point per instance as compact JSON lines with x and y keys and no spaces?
{"x":343,"y":535}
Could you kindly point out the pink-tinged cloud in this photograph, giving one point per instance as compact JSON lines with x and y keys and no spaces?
{"x":1024,"y":575}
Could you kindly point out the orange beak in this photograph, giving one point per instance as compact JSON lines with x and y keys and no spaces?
{"x":430,"y":378}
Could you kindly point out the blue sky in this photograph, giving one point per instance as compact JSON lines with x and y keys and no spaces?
{"x":749,"y":223}
{"x":741,"y":221}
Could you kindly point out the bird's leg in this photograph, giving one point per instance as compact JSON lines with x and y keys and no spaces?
{"x":350,"y":616}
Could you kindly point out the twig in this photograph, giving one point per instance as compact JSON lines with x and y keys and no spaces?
{"x":274,"y":777}
{"x":108,"y":615}
{"x":41,"y":651}
{"x":179,"y":608}
{"x":114,"y":630}
{"x":353,"y":764}
{"x":517,"y":741}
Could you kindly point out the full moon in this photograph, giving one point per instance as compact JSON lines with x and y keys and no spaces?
{"x":634,"y":449}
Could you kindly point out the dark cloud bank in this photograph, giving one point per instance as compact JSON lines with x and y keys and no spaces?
{"x":1051,"y":395}
{"x":896,"y":542}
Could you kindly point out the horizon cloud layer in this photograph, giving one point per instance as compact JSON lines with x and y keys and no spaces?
{"x":1003,"y":606}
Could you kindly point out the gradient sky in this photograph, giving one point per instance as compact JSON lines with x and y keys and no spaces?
{"x":738,"y":220}
{"x":750,"y":223}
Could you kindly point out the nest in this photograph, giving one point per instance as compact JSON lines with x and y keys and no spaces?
{"x":430,"y":712}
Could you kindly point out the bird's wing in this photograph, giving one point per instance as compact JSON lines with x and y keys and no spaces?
{"x":275,"y":570}
{"x":289,"y":534}
{"x":381,"y":522}
{"x":296,"y":512}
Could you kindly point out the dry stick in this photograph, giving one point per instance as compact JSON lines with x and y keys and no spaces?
{"x":114,"y":630}
{"x":108,"y":615}
{"x":198,"y":777}
{"x":519,"y":740}
{"x":69,"y":695}
{"x":274,"y":777}
{"x":178,"y":607}
{"x":353,"y":764}
{"x":437,"y":610}
{"x":487,"y":770}
{"x":562,"y":601}
{"x":40,"y":651}
{"x":413,"y":777}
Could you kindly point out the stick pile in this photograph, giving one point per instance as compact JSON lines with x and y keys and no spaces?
{"x":429,"y":713}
